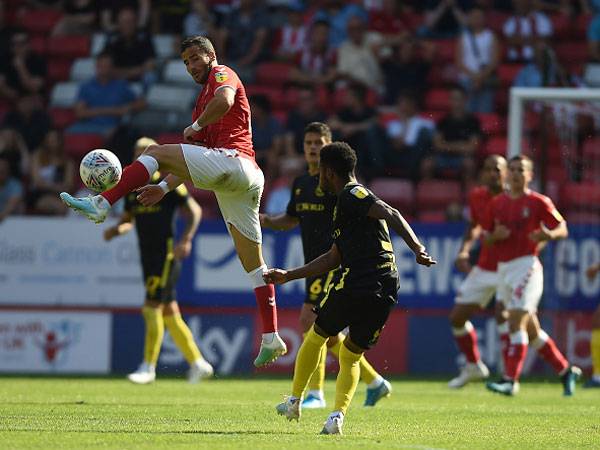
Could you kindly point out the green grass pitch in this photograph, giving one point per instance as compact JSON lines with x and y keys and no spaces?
{"x":78,"y":413}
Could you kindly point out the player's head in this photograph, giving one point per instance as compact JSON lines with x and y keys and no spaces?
{"x":141,"y":144}
{"x":494,"y":172}
{"x":316,"y":136}
{"x":337,"y":164}
{"x":520,"y":172}
{"x":198,"y":55}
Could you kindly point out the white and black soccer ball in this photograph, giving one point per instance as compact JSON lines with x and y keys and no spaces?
{"x":100,"y":170}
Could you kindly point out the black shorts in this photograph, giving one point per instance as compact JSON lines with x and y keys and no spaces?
{"x":160,"y":276}
{"x":365,"y":314}
{"x":317,"y":287}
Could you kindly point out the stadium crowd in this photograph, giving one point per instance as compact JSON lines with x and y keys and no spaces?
{"x":419,"y":89}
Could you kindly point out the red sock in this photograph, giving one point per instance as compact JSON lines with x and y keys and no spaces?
{"x":552,"y":355}
{"x":504,"y":343}
{"x":265,"y":299}
{"x":517,"y":351}
{"x":134,"y":176}
{"x":467,"y":343}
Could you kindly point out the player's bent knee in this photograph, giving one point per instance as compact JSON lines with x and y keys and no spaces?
{"x":333,"y":340}
{"x":152,"y":304}
{"x":352,"y":346}
{"x":320,"y":331}
{"x":171,"y":308}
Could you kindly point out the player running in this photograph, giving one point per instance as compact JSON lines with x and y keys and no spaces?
{"x":521,"y":219}
{"x":312,"y":209}
{"x":363,"y":295}
{"x":594,"y":381}
{"x":160,"y":260}
{"x":218,"y":156}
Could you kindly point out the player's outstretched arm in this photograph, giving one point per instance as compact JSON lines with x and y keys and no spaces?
{"x":544,"y":233}
{"x":124,"y":225}
{"x":381,"y":210}
{"x":151,"y":194}
{"x":279,"y":222}
{"x":318,"y":266}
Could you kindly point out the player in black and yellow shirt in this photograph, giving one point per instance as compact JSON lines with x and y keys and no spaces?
{"x":160,"y":259}
{"x":364,"y":294}
{"x":312,"y":209}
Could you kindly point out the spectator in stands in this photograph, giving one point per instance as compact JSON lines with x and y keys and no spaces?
{"x":132,"y":51}
{"x":407,"y":69}
{"x":243,"y":39}
{"x":338,"y":13}
{"x":109,"y":11}
{"x":356,"y":123}
{"x":293,"y":36}
{"x":306,"y":111}
{"x":200,"y":21}
{"x":388,"y":20}
{"x":266,"y":132}
{"x":315,"y":63}
{"x":477,"y":59}
{"x":104,"y":100}
{"x":168,"y":16}
{"x":51,"y":173}
{"x":455,"y":141}
{"x":79,"y":18}
{"x":29,"y":119}
{"x":11,"y":191}
{"x":543,"y":70}
{"x":14,"y":149}
{"x":444,"y":18}
{"x":593,"y":36}
{"x":23,"y":71}
{"x":409,"y":136}
{"x":358,"y":56}
{"x":524,"y":29}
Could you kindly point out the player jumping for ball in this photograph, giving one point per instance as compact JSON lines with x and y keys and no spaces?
{"x":217,"y":156}
{"x":364,"y":294}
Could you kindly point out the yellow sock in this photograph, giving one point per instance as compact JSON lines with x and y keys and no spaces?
{"x":183,"y":337}
{"x":307,"y":361}
{"x":155,"y":330}
{"x":367,"y":372}
{"x":317,"y":380}
{"x":347,"y":378}
{"x":595,"y":351}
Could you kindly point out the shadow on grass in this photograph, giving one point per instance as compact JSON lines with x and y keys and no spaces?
{"x":202,"y":432}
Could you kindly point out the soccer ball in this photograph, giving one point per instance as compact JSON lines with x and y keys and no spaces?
{"x":100,"y":170}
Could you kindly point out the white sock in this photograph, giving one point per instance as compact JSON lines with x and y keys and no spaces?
{"x":148,"y":367}
{"x":150,"y":163}
{"x":540,"y":340}
{"x":315,"y":393}
{"x":466,"y":329}
{"x":102,"y":202}
{"x":335,"y":414}
{"x":256,"y":276}
{"x":503,"y":328}
{"x":376,"y":382}
{"x":267,"y":338}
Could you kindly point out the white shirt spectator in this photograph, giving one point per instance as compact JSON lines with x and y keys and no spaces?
{"x":534,"y":24}
{"x":409,"y":129}
{"x":360,"y":63}
{"x":477,"y":49}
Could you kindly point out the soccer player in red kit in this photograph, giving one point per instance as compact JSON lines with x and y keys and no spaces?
{"x":520,"y":220}
{"x":217,"y":156}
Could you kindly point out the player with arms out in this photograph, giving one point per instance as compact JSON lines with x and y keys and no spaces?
{"x":520,"y":220}
{"x":161,"y":262}
{"x":363,"y":295}
{"x":312,"y":209}
{"x":594,"y":381}
{"x":217,"y":156}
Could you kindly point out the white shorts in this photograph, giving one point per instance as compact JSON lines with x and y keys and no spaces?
{"x":521,"y":283}
{"x":478,"y":288}
{"x":236,"y":181}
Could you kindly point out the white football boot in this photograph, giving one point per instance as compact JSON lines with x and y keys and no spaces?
{"x":470,"y":372}
{"x":145,"y":374}
{"x":291,"y":408}
{"x":199,"y":370}
{"x":334,"y":423}
{"x":270,"y":350}
{"x":95,"y":208}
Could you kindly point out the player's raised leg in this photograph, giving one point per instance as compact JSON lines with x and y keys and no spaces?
{"x":154,"y":332}
{"x":250,"y":254}
{"x":168,"y":157}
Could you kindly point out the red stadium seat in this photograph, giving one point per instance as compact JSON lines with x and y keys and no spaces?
{"x":561,"y":25}
{"x":437,"y":100}
{"x":398,"y":193}
{"x":59,"y":69}
{"x":445,"y":50}
{"x":437,"y":194}
{"x":496,"y":19}
{"x":572,"y":53}
{"x":169,"y":138}
{"x":580,"y":26}
{"x":69,"y":46}
{"x":38,"y":44}
{"x":39,"y":20}
{"x":508,"y":72}
{"x":273,"y":73}
{"x":492,"y":123}
{"x":591,"y":149}
{"x":497,"y":145}
{"x":62,"y":117}
{"x":557,"y":173}
{"x":77,"y":145}
{"x":432,"y":216}
{"x":274,"y":94}
{"x":581,"y":195}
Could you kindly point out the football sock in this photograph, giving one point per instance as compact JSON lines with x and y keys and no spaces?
{"x":595,"y":351}
{"x":265,"y":300}
{"x":155,"y":330}
{"x":134,"y":176}
{"x":466,"y":339}
{"x":347,"y":378}
{"x":183,"y":338}
{"x":317,"y":380}
{"x":367,"y":373}
{"x":307,"y":360}
{"x":503,"y":332}
{"x":517,"y":351}
{"x":546,"y":348}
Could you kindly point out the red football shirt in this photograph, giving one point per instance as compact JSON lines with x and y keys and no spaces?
{"x":522,"y":216}
{"x":480,"y":199}
{"x":233,"y":130}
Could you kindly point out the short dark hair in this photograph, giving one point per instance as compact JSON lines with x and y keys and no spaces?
{"x":339,"y":157}
{"x":523,"y":158}
{"x":319,"y":128}
{"x":200,"y":41}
